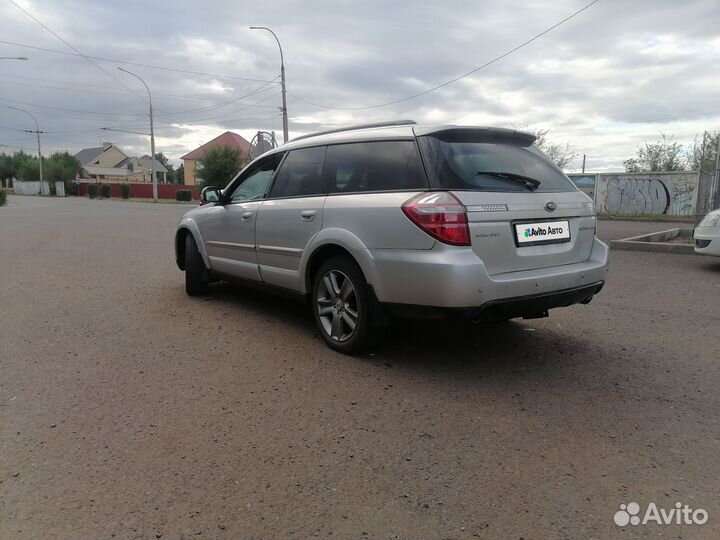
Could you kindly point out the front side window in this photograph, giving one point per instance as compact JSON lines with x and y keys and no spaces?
{"x":373,"y":166}
{"x":255,"y":183}
{"x":300,"y":174}
{"x":490,"y":165}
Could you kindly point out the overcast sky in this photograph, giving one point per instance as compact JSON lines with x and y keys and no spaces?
{"x":607,"y":80}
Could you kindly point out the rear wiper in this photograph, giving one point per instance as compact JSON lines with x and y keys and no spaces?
{"x":530,"y":183}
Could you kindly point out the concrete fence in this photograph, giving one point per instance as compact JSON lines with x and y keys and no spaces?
{"x":660,"y":193}
{"x":28,"y":188}
{"x":33,"y":188}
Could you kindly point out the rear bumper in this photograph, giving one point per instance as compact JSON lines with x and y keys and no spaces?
{"x":451,"y":277}
{"x":530,"y":306}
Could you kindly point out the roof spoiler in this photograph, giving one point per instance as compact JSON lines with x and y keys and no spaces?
{"x":473,"y":134}
{"x":357,"y":127}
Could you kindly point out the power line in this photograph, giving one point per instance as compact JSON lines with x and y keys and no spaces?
{"x":123,"y":94}
{"x":258,"y":90}
{"x":451,"y":81}
{"x":99,"y":113}
{"x":160,"y":112}
{"x":131,"y":129}
{"x":11,"y":128}
{"x":76,"y":50}
{"x":88,"y":88}
{"x":225,"y":114}
{"x":149,"y":66}
{"x":17,"y":147}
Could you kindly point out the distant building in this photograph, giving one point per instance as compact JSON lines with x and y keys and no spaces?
{"x":107,"y":163}
{"x":233,"y":140}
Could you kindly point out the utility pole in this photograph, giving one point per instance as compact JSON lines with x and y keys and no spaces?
{"x":37,"y":132}
{"x":716,"y":183}
{"x":152,"y":134}
{"x":583,"y":169}
{"x":282,"y":81}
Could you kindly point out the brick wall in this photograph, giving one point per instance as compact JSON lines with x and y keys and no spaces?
{"x":144,"y":191}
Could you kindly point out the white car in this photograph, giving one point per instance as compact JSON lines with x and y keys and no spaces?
{"x":707,"y":235}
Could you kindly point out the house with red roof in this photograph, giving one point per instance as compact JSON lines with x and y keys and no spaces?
{"x":233,"y":140}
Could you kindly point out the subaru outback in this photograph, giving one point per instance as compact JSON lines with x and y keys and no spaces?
{"x":395,"y":220}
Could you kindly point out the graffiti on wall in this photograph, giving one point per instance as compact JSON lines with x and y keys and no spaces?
{"x":630,"y":196}
{"x":672,"y":194}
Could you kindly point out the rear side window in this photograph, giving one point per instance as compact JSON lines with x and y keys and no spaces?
{"x":487,"y":165}
{"x":373,"y":166}
{"x":300,"y":174}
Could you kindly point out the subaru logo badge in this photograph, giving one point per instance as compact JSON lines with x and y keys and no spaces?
{"x":550,"y":206}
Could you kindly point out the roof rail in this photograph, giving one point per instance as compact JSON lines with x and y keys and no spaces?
{"x":356,"y":127}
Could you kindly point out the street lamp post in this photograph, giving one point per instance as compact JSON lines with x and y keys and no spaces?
{"x":152,"y":134}
{"x":38,"y":132}
{"x":282,"y":81}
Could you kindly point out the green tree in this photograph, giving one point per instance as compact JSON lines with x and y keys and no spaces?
{"x":7,"y":168}
{"x":560,"y":154}
{"x":660,"y":156}
{"x":26,"y":167}
{"x":60,"y":167}
{"x":170,"y":169}
{"x":702,"y":153}
{"x":20,"y":161}
{"x":180,"y":174}
{"x":219,"y":165}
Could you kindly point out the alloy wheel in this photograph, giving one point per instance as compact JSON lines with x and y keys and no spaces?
{"x":337,"y":305}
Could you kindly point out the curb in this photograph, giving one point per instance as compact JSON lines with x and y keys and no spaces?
{"x":654,"y":242}
{"x":651,"y":219}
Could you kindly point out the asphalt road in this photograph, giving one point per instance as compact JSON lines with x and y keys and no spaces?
{"x":129,"y":410}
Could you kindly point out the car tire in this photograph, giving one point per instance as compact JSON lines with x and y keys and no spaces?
{"x":341,"y":297}
{"x":196,"y":274}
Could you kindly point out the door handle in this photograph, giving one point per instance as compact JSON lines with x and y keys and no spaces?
{"x":246,"y":216}
{"x":308,"y":215}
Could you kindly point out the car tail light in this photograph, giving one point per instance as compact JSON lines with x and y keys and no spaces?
{"x":441,"y":216}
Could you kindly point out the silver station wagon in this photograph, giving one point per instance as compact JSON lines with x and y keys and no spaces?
{"x":375,"y":222}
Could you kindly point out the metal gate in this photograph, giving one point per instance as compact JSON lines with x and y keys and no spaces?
{"x":708,"y":197}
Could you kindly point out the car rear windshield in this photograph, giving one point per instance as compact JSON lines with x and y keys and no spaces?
{"x":490,"y":165}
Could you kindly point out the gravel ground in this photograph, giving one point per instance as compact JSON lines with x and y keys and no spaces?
{"x":129,"y":410}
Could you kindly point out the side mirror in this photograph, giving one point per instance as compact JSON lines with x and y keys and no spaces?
{"x":210,"y":194}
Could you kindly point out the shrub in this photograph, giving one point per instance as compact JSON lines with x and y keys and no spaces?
{"x":106,"y":191}
{"x":92,"y":190}
{"x":70,"y":188}
{"x":125,"y":191}
{"x":3,"y":197}
{"x":183,"y":195}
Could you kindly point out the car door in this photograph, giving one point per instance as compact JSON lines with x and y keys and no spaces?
{"x":229,"y":228}
{"x":290,"y":217}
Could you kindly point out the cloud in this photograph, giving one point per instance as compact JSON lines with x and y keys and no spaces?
{"x":607,"y":80}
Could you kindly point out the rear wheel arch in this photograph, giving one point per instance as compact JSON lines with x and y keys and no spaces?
{"x":319,"y":256}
